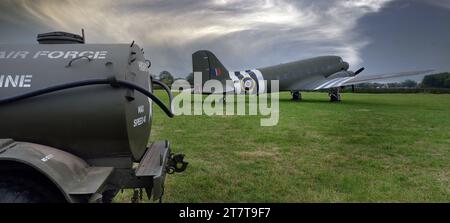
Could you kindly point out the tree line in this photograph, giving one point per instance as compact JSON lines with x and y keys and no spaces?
{"x":440,"y":80}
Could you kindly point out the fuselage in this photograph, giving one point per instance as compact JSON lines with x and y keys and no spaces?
{"x":292,"y":76}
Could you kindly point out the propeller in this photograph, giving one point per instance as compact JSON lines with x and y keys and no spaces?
{"x":359,"y":70}
{"x":356,"y":73}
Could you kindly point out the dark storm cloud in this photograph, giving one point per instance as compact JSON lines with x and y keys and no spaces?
{"x":407,"y":35}
{"x":242,"y":33}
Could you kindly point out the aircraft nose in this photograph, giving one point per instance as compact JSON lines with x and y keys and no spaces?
{"x":345,"y":65}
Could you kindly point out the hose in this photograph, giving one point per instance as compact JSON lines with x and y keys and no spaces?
{"x":111,"y":81}
{"x":167,"y":89}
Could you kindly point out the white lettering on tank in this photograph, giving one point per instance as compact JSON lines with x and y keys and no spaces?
{"x":22,"y":81}
{"x":10,"y":55}
{"x":25,"y":80}
{"x":141,"y":109}
{"x":14,"y":82}
{"x":87,"y":52}
{"x":100,"y":55}
{"x":55,"y":54}
{"x":71,"y":54}
{"x":21,"y":54}
{"x":39,"y":53}
{"x":139,"y":121}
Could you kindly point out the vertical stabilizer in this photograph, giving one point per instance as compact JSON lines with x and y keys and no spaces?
{"x":211,"y":68}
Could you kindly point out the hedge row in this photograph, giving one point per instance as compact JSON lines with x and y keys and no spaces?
{"x":400,"y":90}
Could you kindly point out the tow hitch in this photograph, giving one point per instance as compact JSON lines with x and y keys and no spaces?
{"x":176,"y":163}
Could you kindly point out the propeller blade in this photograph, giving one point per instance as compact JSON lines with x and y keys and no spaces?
{"x":359,"y":70}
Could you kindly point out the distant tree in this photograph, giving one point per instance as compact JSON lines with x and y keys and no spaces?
{"x":154,"y":76}
{"x":394,"y":85}
{"x":166,"y":77}
{"x":447,"y":82}
{"x":190,"y":78}
{"x":440,"y":80}
{"x":363,"y":85}
{"x":368,"y":85}
{"x":409,"y":84}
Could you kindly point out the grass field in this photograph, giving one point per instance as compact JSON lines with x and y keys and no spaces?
{"x":368,"y":148}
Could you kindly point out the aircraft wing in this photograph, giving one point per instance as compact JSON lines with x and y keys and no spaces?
{"x":358,"y":79}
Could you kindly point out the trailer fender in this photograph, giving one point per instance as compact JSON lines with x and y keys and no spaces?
{"x":70,"y":174}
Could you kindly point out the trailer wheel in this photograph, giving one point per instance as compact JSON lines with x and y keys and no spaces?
{"x":108,"y":195}
{"x":26,"y":189}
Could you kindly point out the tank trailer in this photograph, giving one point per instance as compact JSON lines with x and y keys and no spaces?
{"x":75,"y":122}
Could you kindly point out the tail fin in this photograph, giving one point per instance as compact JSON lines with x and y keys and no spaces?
{"x":211,"y":68}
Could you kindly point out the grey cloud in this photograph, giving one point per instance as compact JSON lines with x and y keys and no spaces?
{"x":242,"y":33}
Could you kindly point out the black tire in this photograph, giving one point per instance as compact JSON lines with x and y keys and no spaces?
{"x":335,"y":98}
{"x":27,"y":189}
{"x":108,"y":195}
{"x":296,"y":96}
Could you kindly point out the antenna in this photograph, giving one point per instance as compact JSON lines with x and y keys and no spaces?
{"x":82,"y":35}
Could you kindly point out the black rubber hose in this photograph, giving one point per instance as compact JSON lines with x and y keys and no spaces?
{"x":149,"y":94}
{"x":165,"y":87}
{"x":111,"y":81}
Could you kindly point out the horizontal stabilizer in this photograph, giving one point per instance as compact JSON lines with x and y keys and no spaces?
{"x":206,"y":91}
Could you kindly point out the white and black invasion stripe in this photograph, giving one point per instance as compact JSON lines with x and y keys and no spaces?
{"x":240,"y":77}
{"x":336,"y":82}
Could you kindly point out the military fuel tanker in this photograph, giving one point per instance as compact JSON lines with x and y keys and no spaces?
{"x":75,"y":122}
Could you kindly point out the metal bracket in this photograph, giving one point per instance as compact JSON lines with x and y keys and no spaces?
{"x":176,"y":163}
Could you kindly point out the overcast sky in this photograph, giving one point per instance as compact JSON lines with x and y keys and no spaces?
{"x":382,"y":35}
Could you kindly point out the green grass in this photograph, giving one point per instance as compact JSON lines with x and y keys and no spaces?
{"x":368,"y":148}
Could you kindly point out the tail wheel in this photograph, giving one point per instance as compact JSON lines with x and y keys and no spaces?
{"x":27,"y":189}
{"x":296,"y":96}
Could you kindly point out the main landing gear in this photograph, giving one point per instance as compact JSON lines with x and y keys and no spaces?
{"x":334,"y":94}
{"x":296,"y":95}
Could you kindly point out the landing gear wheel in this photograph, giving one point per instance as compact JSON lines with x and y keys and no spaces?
{"x":23,"y":189}
{"x":296,"y":96}
{"x":334,"y":94}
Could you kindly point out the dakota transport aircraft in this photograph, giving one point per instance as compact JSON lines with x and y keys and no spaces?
{"x":325,"y":72}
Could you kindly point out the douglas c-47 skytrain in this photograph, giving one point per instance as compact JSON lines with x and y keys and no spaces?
{"x":325,"y":72}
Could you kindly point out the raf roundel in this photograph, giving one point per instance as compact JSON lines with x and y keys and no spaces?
{"x":247,"y":84}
